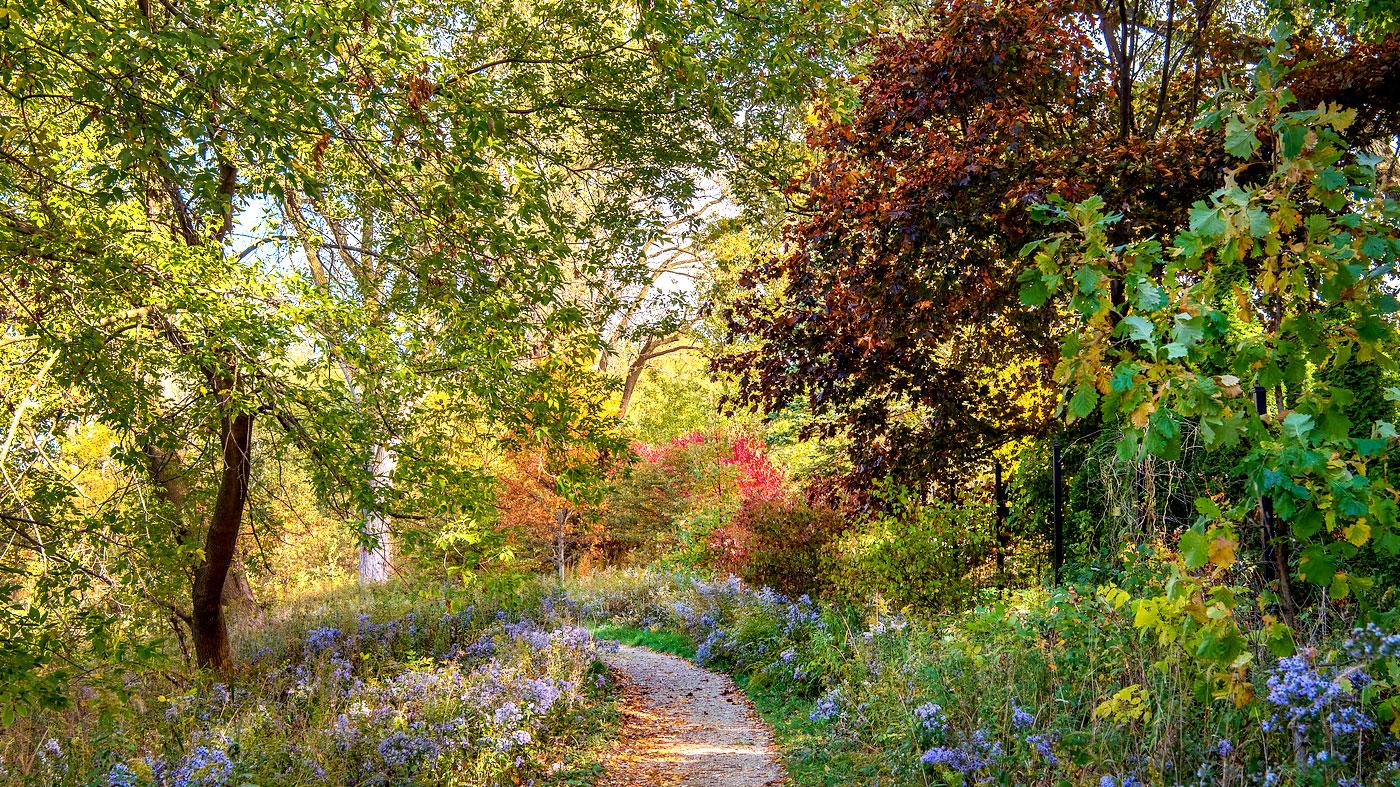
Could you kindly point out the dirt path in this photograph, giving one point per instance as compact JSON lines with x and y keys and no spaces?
{"x":684,"y":725}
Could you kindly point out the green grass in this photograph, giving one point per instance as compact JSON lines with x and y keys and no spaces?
{"x":659,"y":641}
{"x":809,"y":753}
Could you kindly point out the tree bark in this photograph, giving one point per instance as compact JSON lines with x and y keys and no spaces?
{"x":209,"y":629}
{"x":238,"y":593}
{"x":645,"y":356}
{"x":561,"y":518}
{"x":376,"y":559}
{"x":629,"y":387}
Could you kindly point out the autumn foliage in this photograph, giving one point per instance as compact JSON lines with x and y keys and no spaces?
{"x":895,"y":316}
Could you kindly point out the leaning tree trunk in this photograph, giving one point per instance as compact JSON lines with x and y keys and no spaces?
{"x":376,"y":557}
{"x":210,"y":631}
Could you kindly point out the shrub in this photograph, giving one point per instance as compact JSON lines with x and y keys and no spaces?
{"x":778,"y":543}
{"x":923,"y":556}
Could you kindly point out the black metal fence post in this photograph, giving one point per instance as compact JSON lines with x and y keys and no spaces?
{"x":1266,"y":506}
{"x":1000,"y":491}
{"x":1058,"y":514}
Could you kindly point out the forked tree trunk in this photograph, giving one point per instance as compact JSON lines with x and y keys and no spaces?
{"x":207,"y":624}
{"x":376,"y":559}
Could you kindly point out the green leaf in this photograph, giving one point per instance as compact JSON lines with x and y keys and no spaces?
{"x":1278,"y":638}
{"x":1140,"y":329}
{"x":1150,"y":297}
{"x":1306,"y":524}
{"x":1370,"y":446}
{"x":1331,"y":179}
{"x":1188,"y":329}
{"x":1163,"y":438}
{"x":1240,"y":140}
{"x":1207,"y":508}
{"x":1206,"y":222}
{"x":1195,"y":549}
{"x":1375,"y":247}
{"x":1293,"y":139}
{"x":1088,"y":279}
{"x":1084,"y":400}
{"x":1298,"y":426}
{"x":1033,"y":289}
{"x":1317,"y":566}
{"x":1259,"y":224}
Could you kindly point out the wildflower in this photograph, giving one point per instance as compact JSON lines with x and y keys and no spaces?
{"x":158,"y":768}
{"x":400,"y":749}
{"x":1021,"y":718}
{"x":321,"y":639}
{"x":895,"y":624}
{"x":120,"y":775}
{"x":930,"y":716}
{"x":1372,"y":644}
{"x":506,"y":715}
{"x":1348,"y":720}
{"x":1306,"y":699}
{"x":1224,"y":747}
{"x":344,"y":732}
{"x":975,"y":754}
{"x":707,"y":650}
{"x":219,"y":694}
{"x":204,"y":767}
{"x":828,"y":707}
{"x":1044,"y":745}
{"x":952,"y":758}
{"x":50,"y":750}
{"x":517,"y":738}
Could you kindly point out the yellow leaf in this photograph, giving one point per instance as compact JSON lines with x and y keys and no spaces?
{"x":1358,"y":533}
{"x":1222,"y":551}
{"x":1141,"y":414}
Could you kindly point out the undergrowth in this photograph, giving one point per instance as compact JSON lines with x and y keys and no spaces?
{"x":1046,"y":687}
{"x":398,"y":687}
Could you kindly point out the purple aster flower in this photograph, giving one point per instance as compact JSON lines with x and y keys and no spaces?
{"x":321,"y":639}
{"x":828,"y":707}
{"x":120,"y":775}
{"x":1044,"y":745}
{"x":930,"y":716}
{"x":1021,"y":718}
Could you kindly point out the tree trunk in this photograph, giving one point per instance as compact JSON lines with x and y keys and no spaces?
{"x":208,"y":626}
{"x":238,"y":593}
{"x":375,"y":559}
{"x":561,"y":517}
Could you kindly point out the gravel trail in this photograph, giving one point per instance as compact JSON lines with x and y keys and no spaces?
{"x":684,"y":725}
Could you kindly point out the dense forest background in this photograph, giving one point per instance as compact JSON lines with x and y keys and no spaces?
{"x":1037,"y":356}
